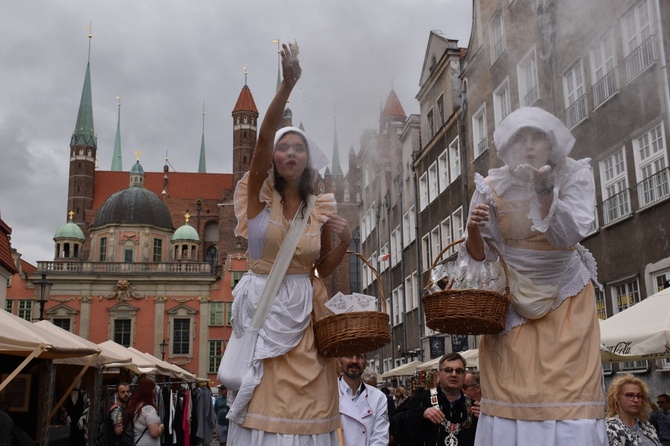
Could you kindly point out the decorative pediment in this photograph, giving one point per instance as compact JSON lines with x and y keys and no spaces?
{"x":61,"y":311}
{"x":182,"y":310}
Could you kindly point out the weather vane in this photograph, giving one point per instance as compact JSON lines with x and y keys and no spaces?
{"x":138,"y":152}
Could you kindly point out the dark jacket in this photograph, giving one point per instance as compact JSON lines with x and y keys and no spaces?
{"x":410,"y":428}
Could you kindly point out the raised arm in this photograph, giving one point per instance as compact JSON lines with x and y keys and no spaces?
{"x":262,"y":158}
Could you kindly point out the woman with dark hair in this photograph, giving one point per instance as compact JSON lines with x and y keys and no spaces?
{"x":628,"y":409}
{"x":141,"y":410}
{"x":290,"y":395}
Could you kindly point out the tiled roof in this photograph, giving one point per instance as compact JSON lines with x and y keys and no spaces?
{"x":180,"y":185}
{"x":245,"y":102}
{"x":393,"y":107}
{"x":6,"y":260}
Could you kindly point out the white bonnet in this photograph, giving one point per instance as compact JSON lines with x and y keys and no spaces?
{"x":537,"y":118}
{"x":317,"y":159}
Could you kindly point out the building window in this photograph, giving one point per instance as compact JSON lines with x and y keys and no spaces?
{"x":441,"y":119}
{"x":216,"y":313}
{"x":103,"y":249}
{"x":397,"y":319}
{"x":575,"y":96}
{"x":227,"y":312}
{"x":215,"y":349}
{"x":529,"y":91}
{"x":354,"y":272}
{"x":122,"y":331}
{"x":454,"y":160}
{"x":128,"y":255}
{"x":436,"y":243}
{"x":637,"y":38}
{"x":425,"y":249}
{"x":236,"y":276}
{"x":396,"y":248}
{"x":479,"y":131}
{"x":601,"y":309}
{"x":423,"y":191}
{"x":501,"y":102}
{"x":181,"y":337}
{"x":661,"y":280}
{"x":63,"y":323}
{"x":443,"y":170}
{"x":652,"y":168}
{"x":25,"y":309}
{"x":457,"y":223}
{"x":409,"y":293}
{"x":430,"y":124}
{"x":616,"y":196}
{"x":446,"y":236}
{"x":603,"y":70}
{"x":497,"y":29}
{"x":9,"y":306}
{"x":158,"y":250}
{"x":626,"y":295}
{"x":433,"y":186}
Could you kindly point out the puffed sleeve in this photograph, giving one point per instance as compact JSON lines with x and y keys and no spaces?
{"x":572,"y":211}
{"x":325,"y":205}
{"x":241,"y":201}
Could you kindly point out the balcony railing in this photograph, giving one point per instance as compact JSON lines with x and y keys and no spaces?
{"x":498,"y":49}
{"x":482,"y":145}
{"x":531,"y":96}
{"x":653,"y":189}
{"x":639,"y":59}
{"x":605,"y":88}
{"x":576,"y":112}
{"x":125,"y":268}
{"x":616,"y":207}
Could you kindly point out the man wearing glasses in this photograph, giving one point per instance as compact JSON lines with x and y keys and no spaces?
{"x":447,"y":411}
{"x":661,"y":418}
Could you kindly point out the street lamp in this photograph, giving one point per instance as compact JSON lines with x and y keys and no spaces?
{"x":163,"y":347}
{"x":42,"y":292}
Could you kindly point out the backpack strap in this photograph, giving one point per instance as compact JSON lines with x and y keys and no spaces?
{"x":140,"y":437}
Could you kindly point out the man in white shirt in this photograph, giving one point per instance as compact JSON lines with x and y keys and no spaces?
{"x":363,"y":408}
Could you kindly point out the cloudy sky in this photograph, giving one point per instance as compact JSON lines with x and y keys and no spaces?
{"x":165,"y":58}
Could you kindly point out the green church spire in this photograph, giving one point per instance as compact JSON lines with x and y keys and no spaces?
{"x":337,"y":170}
{"x":202,"y":166}
{"x":84,"y":133}
{"x":117,"y":164}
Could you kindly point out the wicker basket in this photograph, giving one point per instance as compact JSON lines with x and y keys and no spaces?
{"x":467,"y":311}
{"x":348,"y":334}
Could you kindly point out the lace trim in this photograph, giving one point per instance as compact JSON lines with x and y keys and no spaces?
{"x":553,"y":404}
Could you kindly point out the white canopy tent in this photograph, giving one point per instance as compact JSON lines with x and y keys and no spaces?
{"x":639,"y":332}
{"x":176,"y":371}
{"x":403,"y":370}
{"x":106,"y":358}
{"x":144,"y":364}
{"x":471,"y":360}
{"x":22,"y":338}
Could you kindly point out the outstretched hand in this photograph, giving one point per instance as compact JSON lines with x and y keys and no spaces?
{"x":290,"y":63}
{"x":340,"y":227}
{"x":530,"y":174}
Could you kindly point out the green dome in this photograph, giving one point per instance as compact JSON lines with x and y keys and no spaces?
{"x":70,"y":230}
{"x":186,"y":232}
{"x":137,"y":168}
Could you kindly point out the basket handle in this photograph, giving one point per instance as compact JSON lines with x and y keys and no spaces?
{"x":377,"y":276}
{"x":491,"y":245}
